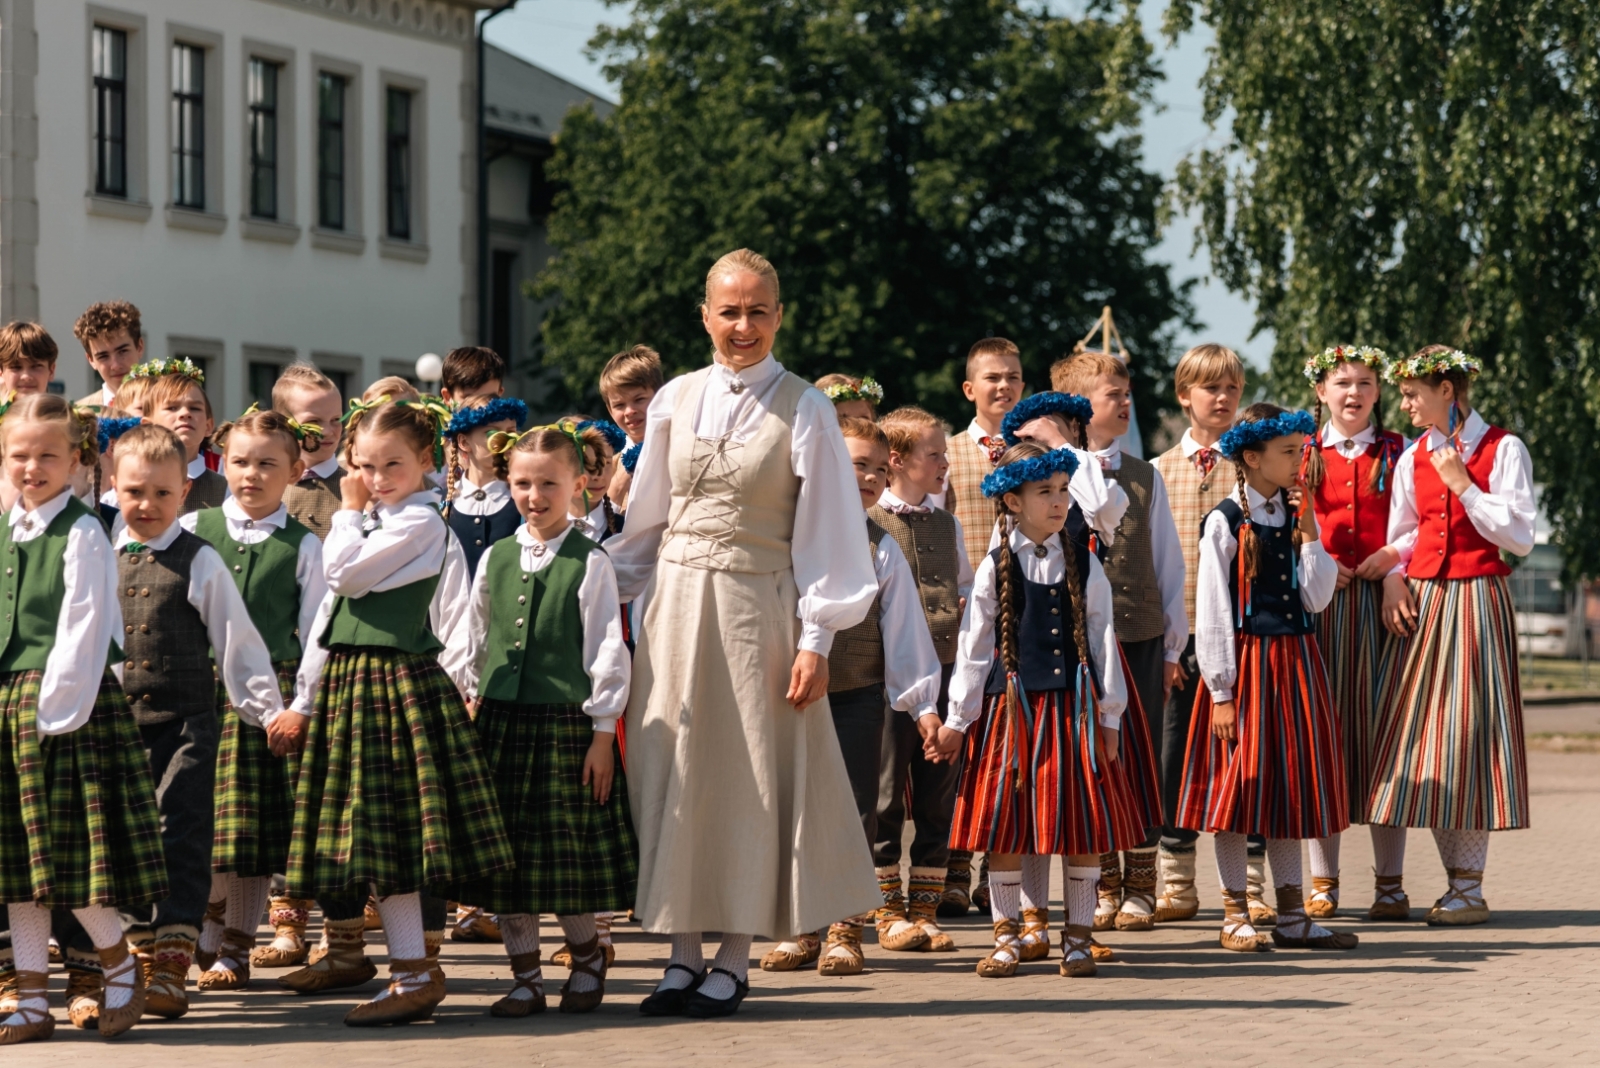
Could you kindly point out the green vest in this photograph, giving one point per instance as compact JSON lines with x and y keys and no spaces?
{"x":535,"y":628}
{"x":34,"y":585}
{"x":393,"y":619}
{"x":263,"y":572}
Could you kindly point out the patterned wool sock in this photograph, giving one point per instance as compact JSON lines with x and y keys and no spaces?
{"x":521,"y":933}
{"x":1388,"y":850}
{"x":732,"y":956}
{"x":686,"y":953}
{"x":894,"y":898}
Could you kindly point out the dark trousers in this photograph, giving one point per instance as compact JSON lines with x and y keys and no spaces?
{"x":183,"y":763}
{"x":1146,"y":666}
{"x":1173,"y":741}
{"x":858,"y":721}
{"x":933,"y":792}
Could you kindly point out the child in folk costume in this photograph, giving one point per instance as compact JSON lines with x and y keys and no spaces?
{"x":79,"y":827}
{"x":550,"y":671}
{"x":311,"y":398}
{"x":1055,"y":420}
{"x":176,"y":399}
{"x":477,"y":502}
{"x":1037,"y":674}
{"x":629,"y":381}
{"x":1145,"y":568}
{"x":1350,"y":472}
{"x":1264,"y":753}
{"x":276,"y":563}
{"x":852,"y":397}
{"x":597,"y":518}
{"x":1449,"y":755}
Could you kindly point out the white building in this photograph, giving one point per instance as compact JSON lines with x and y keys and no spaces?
{"x":266,"y":179}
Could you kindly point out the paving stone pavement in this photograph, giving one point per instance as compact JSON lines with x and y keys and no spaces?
{"x":1524,"y":989}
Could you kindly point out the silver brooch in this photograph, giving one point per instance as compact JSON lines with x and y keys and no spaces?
{"x":479,"y":495}
{"x":736,"y":387}
{"x":1040,"y":551}
{"x":1272,"y":509}
{"x":538,"y":549}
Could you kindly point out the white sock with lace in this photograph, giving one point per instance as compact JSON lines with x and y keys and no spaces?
{"x":1284,"y":856}
{"x":732,"y":956}
{"x":1035,"y":882}
{"x":30,"y":947}
{"x":1388,"y":850}
{"x":521,"y":933}
{"x":602,"y":926}
{"x":402,"y":931}
{"x":210,"y":930}
{"x":1005,"y":902}
{"x":1463,"y":851}
{"x":579,"y":930}
{"x":104,"y":929}
{"x":686,"y":953}
{"x":1325,"y":865}
{"x":1232,"y":861}
{"x":1082,"y":896}
{"x":247,"y":899}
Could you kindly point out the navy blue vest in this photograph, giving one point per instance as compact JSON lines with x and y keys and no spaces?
{"x":1275,"y":607}
{"x":1047,"y":654}
{"x":477,"y":532}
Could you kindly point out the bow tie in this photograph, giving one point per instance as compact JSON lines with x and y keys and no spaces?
{"x":135,"y":547}
{"x":995,"y":445}
{"x":902,"y":508}
{"x":1206,"y":458}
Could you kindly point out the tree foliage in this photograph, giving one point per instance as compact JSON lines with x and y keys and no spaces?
{"x":922,"y":175}
{"x":1404,"y":172}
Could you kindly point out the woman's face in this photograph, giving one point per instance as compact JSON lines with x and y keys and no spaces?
{"x":742,"y":316}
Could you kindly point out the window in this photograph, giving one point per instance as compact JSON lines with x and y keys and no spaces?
{"x":263,"y":96}
{"x":110,"y":111}
{"x":503,"y":290}
{"x":398,"y":164}
{"x":262,"y":377}
{"x":331,"y":89}
{"x":188,"y":127}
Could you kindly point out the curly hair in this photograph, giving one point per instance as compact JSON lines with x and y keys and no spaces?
{"x":106,"y":318}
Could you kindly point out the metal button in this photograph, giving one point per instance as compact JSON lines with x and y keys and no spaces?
{"x":1055,"y":652}
{"x":238,"y":569}
{"x":241,"y":550}
{"x":145,"y":592}
{"x":524,"y":578}
{"x":519,"y":622}
{"x":8,"y":571}
{"x":145,"y":698}
{"x":144,"y":628}
{"x":130,"y":628}
{"x":936,"y":578}
{"x":1055,"y":630}
{"x":519,"y":646}
{"x":131,"y":591}
{"x":1052,"y":593}
{"x":1058,"y":671}
{"x":1055,"y":611}
{"x":477,"y":520}
{"x":521,"y":599}
{"x":478,"y":542}
{"x":145,"y":665}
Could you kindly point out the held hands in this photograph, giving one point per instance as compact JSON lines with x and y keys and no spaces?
{"x":808,"y":681}
{"x":1379,"y":564}
{"x":286,"y":733}
{"x":944,"y":746}
{"x":928,"y":725}
{"x":1452,"y":472}
{"x":1225,"y":721}
{"x":1399,"y":607}
{"x":600,"y":765}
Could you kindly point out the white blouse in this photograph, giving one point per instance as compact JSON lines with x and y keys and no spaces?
{"x":1505,"y":515}
{"x":975,"y":647}
{"x":606,"y":659}
{"x":495,"y":496}
{"x":911,"y":668}
{"x":1167,"y":555}
{"x":832,"y":566}
{"x":91,"y":615}
{"x":307,"y":574}
{"x":1215,"y":644}
{"x":236,"y":646}
{"x":593,"y":525}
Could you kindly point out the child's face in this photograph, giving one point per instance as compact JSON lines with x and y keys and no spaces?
{"x":871,"y":461}
{"x":1278,"y":461}
{"x":1212,"y":406}
{"x":628,"y":408}
{"x":114,"y":355}
{"x":1349,"y":391}
{"x":460,"y":399}
{"x":185,"y":415}
{"x":1111,"y":396}
{"x":922,"y":470}
{"x":1041,"y":507}
{"x":995,"y":385}
{"x":324,"y":407}
{"x":542,"y":487}
{"x":474,"y":444}
{"x":587,"y":499}
{"x":40,"y":461}
{"x":27,"y":376}
{"x":855,"y":409}
{"x":150,"y":495}
{"x":392,"y":468}
{"x":1048,"y":431}
{"x":259,"y":469}
{"x":1428,"y":406}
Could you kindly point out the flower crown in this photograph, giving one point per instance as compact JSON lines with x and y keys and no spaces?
{"x":630,"y":456}
{"x":616,"y":440}
{"x":869,"y":390}
{"x":181,"y":366}
{"x":497,"y":410}
{"x":112,"y":428}
{"x":1254,"y":433}
{"x":1329,"y":358}
{"x":1041,"y":404}
{"x":1434,"y":363}
{"x":1009,"y":477}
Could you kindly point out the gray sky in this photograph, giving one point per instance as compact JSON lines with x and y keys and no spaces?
{"x":552,"y":33}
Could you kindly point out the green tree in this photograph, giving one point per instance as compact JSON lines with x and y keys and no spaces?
{"x":1404,"y":172}
{"x":922,"y":175}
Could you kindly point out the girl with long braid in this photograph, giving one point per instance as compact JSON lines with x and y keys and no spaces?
{"x":1037,"y":673}
{"x":1264,"y":754}
{"x":477,"y":503}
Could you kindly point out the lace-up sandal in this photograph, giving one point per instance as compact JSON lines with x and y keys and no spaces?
{"x":1035,"y":939}
{"x":167,"y":980}
{"x":236,"y":945}
{"x":37,"y":1024}
{"x":1077,"y":956}
{"x":1002,"y":961}
{"x":84,"y":991}
{"x":1108,"y":892}
{"x":215,"y":911}
{"x":927,"y":888}
{"x":113,"y":1022}
{"x":850,"y":960}
{"x":371,"y":917}
{"x":474,"y":925}
{"x":787,"y":960}
{"x":896,"y":932}
{"x":1294,"y":930}
{"x":288,"y":947}
{"x":1101,"y":952}
{"x":1323,"y":904}
{"x":588,"y":958}
{"x":509,"y":1007}
{"x":1389,"y":900}
{"x":8,"y":993}
{"x":1465,"y":886}
{"x":401,"y":1005}
{"x":1237,"y":932}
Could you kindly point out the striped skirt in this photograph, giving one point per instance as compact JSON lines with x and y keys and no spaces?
{"x":78,"y":818}
{"x":1449,"y":749}
{"x":392,"y":790}
{"x":1356,"y":645}
{"x":1284,"y":776}
{"x":1139,"y":755}
{"x":1039,"y":786}
{"x":255,"y":792}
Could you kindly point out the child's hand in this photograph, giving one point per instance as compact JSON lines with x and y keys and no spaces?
{"x":1379,"y":564}
{"x":944,"y":746}
{"x":928,"y":725}
{"x":1224,"y":721}
{"x":600,"y":765}
{"x":1173,"y":677}
{"x":1346,"y":576}
{"x":1308,"y":515}
{"x":353,"y":493}
{"x":1110,"y":742}
{"x":1452,"y":472}
{"x":1399,"y":607}
{"x":286,"y":733}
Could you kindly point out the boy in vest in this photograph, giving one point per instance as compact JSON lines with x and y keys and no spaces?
{"x":112,"y":343}
{"x":1145,"y":566}
{"x":306,"y":395}
{"x":889,"y":647}
{"x":179,"y":603}
{"x":176,"y":399}
{"x":629,"y":381}
{"x":27,"y":359}
{"x":993,"y":385}
{"x":932,"y":540}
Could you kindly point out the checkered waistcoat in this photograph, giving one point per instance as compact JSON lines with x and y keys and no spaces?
{"x":1192,"y":497}
{"x":964,"y":498}
{"x":313,"y":501}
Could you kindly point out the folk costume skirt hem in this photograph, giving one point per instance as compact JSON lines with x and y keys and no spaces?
{"x":393,"y":792}
{"x":1284,"y":776}
{"x":1356,"y":646}
{"x":1450,"y":749}
{"x":78,"y":818}
{"x":255,"y":792}
{"x":573,"y":854}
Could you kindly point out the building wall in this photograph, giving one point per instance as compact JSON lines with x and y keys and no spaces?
{"x":216,"y":283}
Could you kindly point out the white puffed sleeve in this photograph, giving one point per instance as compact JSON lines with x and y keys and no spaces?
{"x":1506,"y":513}
{"x":633,"y":552}
{"x":91,"y":616}
{"x":240,"y":653}
{"x":606,"y":659}
{"x":911,"y":669}
{"x":974,"y":650}
{"x":313,"y":589}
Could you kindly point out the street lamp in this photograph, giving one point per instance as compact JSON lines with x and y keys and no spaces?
{"x":430,"y":368}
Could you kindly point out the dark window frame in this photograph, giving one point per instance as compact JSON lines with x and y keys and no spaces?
{"x":332,"y":168}
{"x":263,"y":100}
{"x":188,"y":125}
{"x":110,"y":111}
{"x":398,"y":162}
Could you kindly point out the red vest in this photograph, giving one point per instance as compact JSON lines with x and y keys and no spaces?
{"x":1448,"y":545}
{"x":1352,"y":517}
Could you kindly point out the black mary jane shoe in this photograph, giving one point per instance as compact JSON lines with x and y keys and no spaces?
{"x":703,"y":1008}
{"x":672,"y":1002}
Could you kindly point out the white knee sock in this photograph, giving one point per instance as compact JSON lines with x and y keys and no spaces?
{"x":1325,"y":857}
{"x":602,"y":926}
{"x":211,"y":930}
{"x":686,"y":953}
{"x":1005,"y":894}
{"x":1082,"y":895}
{"x":1388,"y":850}
{"x":1284,"y":856}
{"x":1472,"y":850}
{"x":30,"y":947}
{"x":402,"y":931}
{"x":732,"y":956}
{"x":521,"y":933}
{"x":1463,"y":851}
{"x":578,"y":930}
{"x":1232,"y":860}
{"x":104,"y":929}
{"x":1036,"y":882}
{"x":247,"y":899}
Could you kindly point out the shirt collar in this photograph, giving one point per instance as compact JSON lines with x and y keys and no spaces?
{"x":1258,"y":504}
{"x":166,"y":537}
{"x":107,"y":395}
{"x":977,"y":433}
{"x":197,"y":467}
{"x":236,"y":513}
{"x":1110,"y":457}
{"x":1020,"y":544}
{"x":750,"y":377}
{"x":45,"y":514}
{"x":528,"y":538}
{"x":422,"y":499}
{"x":323,"y":470}
{"x":889,"y":503}
{"x":1191,"y":446}
{"x":1333,"y":436}
{"x":1473,"y":429}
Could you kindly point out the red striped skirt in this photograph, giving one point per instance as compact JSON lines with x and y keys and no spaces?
{"x":1356,"y":646}
{"x":1029,"y":787}
{"x":1138,"y":756}
{"x":1284,"y":777}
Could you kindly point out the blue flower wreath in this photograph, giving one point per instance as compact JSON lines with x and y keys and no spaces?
{"x":630,"y":456}
{"x":114,"y":427}
{"x":608,"y":430}
{"x":1006,"y":479}
{"x":496,"y":411}
{"x":1040,"y":404}
{"x":1250,"y":435}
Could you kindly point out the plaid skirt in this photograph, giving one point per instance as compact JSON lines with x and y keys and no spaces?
{"x":1449,"y":751}
{"x":255,"y":792}
{"x":573,"y":854}
{"x":1284,"y":776}
{"x":78,"y":818}
{"x":1356,"y":644}
{"x":392,"y":791}
{"x":1138,"y":755}
{"x":1037,"y":784}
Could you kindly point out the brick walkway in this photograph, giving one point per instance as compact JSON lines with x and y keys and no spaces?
{"x":1524,"y":989}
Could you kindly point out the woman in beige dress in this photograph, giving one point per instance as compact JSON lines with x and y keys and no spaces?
{"x":744,"y":537}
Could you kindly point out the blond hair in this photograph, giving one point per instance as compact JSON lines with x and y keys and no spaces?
{"x":904,"y":426}
{"x":863,"y":430}
{"x":1079,"y":372}
{"x":1003,"y":348}
{"x":132,"y":394}
{"x":165,"y":388}
{"x":154,"y":445}
{"x":739,"y":261}
{"x":78,"y":424}
{"x":269,"y":424}
{"x":1204,"y":365}
{"x":298,"y":376}
{"x":392,"y":386}
{"x":638,"y":367}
